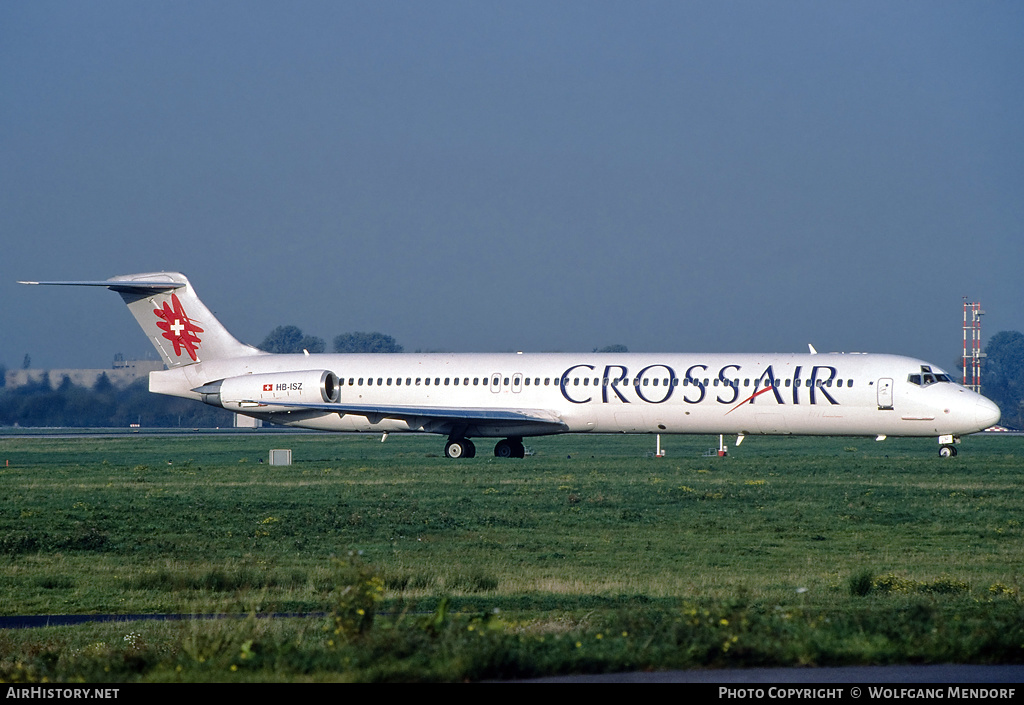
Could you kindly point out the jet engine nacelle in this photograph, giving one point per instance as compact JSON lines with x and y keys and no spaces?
{"x":262,"y":390}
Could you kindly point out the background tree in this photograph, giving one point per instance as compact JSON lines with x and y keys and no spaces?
{"x":612,"y":348}
{"x":366,"y":343}
{"x":1002,"y":376}
{"x":289,"y":339}
{"x":36,"y":404}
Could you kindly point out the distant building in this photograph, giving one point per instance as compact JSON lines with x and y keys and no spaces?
{"x":122,"y":374}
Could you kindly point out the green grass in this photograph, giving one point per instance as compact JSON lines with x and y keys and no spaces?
{"x":816,"y":550}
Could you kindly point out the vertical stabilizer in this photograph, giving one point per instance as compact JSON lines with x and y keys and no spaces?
{"x":178,"y":324}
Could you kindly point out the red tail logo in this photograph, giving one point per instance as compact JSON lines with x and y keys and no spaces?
{"x":178,"y":327}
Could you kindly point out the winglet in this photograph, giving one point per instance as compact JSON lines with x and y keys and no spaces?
{"x":813,"y":351}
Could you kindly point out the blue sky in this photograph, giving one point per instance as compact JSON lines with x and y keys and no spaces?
{"x":488,"y":176}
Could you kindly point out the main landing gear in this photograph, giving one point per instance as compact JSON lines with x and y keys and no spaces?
{"x":464,"y":448}
{"x":510,"y":448}
{"x":459,"y":448}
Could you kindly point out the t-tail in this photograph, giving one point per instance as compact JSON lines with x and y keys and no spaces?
{"x":180,"y":326}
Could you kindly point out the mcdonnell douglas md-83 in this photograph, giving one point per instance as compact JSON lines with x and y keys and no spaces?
{"x":510,"y":396}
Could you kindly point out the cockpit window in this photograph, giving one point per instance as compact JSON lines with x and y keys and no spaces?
{"x":927,"y":378}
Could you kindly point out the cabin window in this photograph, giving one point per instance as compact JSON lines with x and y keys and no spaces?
{"x":476,"y":381}
{"x":447,"y":381}
{"x":389,"y":381}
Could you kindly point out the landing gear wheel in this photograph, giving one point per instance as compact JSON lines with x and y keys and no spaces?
{"x":947,"y":452}
{"x":510,"y":448}
{"x":462,"y":448}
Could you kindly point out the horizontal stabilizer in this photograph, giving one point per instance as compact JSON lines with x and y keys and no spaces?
{"x":115,"y":285}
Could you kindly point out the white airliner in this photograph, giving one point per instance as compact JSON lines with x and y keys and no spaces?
{"x":512,"y":396}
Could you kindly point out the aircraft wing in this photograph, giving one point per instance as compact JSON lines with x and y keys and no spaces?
{"x":423,"y":413}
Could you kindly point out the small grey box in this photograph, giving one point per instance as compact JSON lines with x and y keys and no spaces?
{"x":281,"y":457}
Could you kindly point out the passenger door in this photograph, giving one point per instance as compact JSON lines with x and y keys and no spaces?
{"x":885,"y":393}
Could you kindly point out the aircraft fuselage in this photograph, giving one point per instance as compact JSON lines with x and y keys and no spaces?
{"x":744,"y":393}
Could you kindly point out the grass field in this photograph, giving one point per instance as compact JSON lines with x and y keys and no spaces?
{"x":588,"y":555}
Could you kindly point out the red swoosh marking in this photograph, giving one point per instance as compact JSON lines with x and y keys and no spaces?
{"x":750,"y":398}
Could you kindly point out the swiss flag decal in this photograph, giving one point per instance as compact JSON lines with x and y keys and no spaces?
{"x":268,"y":387}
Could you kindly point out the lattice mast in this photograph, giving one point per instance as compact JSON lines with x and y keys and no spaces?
{"x":972,"y":345}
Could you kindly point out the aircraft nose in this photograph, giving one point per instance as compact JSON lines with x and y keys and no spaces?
{"x":987,"y":413}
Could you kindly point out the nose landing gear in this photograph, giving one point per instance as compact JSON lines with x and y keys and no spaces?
{"x":947,"y":448}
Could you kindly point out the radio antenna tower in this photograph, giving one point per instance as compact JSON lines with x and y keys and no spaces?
{"x":972,"y":345}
